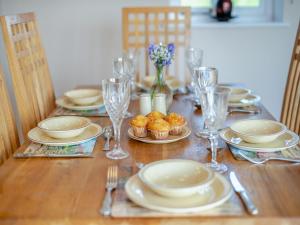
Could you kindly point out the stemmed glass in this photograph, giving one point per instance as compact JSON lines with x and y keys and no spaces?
{"x":116,"y":95}
{"x":131,"y":57}
{"x":204,"y":77}
{"x":193,"y":59}
{"x":122,"y":68}
{"x":214,"y":105}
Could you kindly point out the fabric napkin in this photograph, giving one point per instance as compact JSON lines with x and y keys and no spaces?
{"x":39,"y":150}
{"x":290,"y":153}
{"x":60,"y":111}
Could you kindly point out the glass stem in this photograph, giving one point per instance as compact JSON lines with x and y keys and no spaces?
{"x":117,"y":128}
{"x":213,"y":148}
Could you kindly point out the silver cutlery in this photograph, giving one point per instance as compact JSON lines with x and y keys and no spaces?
{"x":242,"y":110}
{"x":243,"y":194}
{"x":107,"y":133}
{"x":261,"y":161}
{"x":111,"y":184}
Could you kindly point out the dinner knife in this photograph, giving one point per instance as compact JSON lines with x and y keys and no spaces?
{"x":243,"y":194}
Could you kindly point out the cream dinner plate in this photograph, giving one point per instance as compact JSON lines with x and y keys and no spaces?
{"x":172,"y":138}
{"x":287,"y":140}
{"x":250,"y":99}
{"x":68,"y":104}
{"x":38,"y":136}
{"x":214,"y":195}
{"x":171,"y":81}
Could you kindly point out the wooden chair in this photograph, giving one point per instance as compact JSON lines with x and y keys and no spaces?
{"x":290,"y":114}
{"x":9,"y":140}
{"x":29,"y":69}
{"x":143,"y":26}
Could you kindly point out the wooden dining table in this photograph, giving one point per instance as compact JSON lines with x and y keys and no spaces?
{"x":70,"y":190}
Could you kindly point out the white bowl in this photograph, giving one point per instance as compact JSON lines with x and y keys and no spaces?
{"x":176,"y":177}
{"x":237,"y":94}
{"x":83,"y":96}
{"x":64,"y":126}
{"x":258,"y":131}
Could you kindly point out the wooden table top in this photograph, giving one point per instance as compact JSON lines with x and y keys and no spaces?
{"x":70,"y":191}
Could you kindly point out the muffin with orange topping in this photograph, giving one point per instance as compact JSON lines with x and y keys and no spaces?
{"x":177,"y":123}
{"x":159,"y":129}
{"x":139,"y":125}
{"x":155,"y":115}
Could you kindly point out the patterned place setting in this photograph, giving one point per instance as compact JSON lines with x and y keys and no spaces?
{"x":63,"y":136}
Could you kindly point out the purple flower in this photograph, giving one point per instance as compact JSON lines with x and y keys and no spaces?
{"x":161,"y":55}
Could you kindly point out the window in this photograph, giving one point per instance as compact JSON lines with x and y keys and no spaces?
{"x":243,"y":10}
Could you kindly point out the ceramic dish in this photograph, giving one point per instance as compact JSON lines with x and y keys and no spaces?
{"x":64,"y":126}
{"x":38,"y":136}
{"x":287,"y":140}
{"x":250,"y":99}
{"x":237,"y":94}
{"x":66,"y":103}
{"x":84,"y":96}
{"x":171,"y":81}
{"x":214,"y":195}
{"x":258,"y":131}
{"x":172,"y":138}
{"x":176,"y":177}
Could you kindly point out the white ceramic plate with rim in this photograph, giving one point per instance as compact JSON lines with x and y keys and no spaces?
{"x":38,"y":136}
{"x":214,"y":195}
{"x":172,"y":138}
{"x":287,"y":140}
{"x":68,"y":104}
{"x":250,"y":99}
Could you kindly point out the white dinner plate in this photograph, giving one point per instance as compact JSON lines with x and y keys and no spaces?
{"x":38,"y":136}
{"x":172,"y":138}
{"x":66,"y":103}
{"x":250,"y":99}
{"x":214,"y":195}
{"x":287,"y":140}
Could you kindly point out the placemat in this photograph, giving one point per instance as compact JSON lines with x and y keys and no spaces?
{"x":60,"y":111}
{"x":291,"y":153}
{"x":39,"y":150}
{"x":123,"y":207}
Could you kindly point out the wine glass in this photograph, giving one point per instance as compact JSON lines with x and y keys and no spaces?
{"x":131,"y":57}
{"x":204,"y":77}
{"x":116,"y":95}
{"x":122,"y":68}
{"x":214,"y":105}
{"x":193,"y":59}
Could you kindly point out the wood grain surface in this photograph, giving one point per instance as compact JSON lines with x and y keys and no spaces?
{"x":70,"y":191}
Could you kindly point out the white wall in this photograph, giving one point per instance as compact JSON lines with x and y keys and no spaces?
{"x":82,"y":37}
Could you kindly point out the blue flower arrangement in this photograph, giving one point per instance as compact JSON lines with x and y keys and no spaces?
{"x":162,"y":56}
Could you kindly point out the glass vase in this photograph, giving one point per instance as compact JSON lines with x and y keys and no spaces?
{"x":160,"y":87}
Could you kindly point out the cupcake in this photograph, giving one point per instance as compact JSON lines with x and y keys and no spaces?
{"x":139,"y":126}
{"x":159,"y":129}
{"x":155,"y":115}
{"x":177,"y":123}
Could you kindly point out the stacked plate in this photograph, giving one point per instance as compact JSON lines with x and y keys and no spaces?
{"x":81,"y":99}
{"x":242,"y":97}
{"x":178,"y":186}
{"x":64,"y":130}
{"x":259,"y":136}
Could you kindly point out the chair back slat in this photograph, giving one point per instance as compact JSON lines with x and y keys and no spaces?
{"x":9,"y":139}
{"x":29,"y":69}
{"x":145,"y":25}
{"x":290,"y":114}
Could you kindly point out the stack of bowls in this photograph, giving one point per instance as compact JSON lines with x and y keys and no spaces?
{"x":237,"y":94}
{"x":176,"y":178}
{"x":258,"y":131}
{"x":64,"y":126}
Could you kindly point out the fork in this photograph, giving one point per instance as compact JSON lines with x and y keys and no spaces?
{"x":261,"y":161}
{"x":111,"y":184}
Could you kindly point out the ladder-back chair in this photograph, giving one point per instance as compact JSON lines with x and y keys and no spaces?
{"x":143,"y":26}
{"x":9,"y":140}
{"x":29,"y":69}
{"x":290,"y":114}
